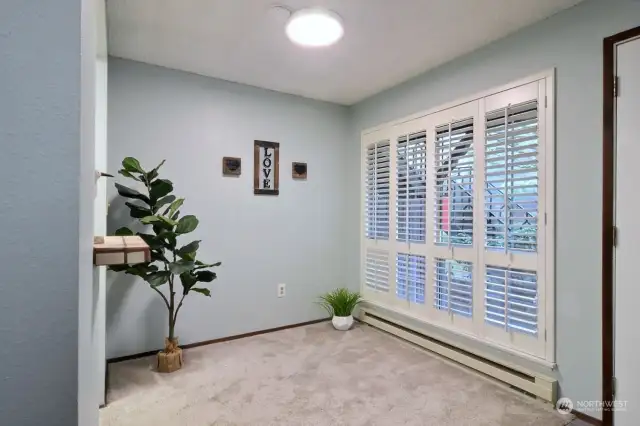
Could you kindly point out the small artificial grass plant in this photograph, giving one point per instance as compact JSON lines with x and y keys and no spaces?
{"x":340,"y":302}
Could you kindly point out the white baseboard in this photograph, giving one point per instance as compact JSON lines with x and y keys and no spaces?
{"x":526,"y":380}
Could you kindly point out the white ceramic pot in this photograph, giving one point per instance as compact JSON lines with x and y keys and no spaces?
{"x":342,"y":323}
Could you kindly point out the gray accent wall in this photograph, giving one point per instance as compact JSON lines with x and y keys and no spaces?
{"x":571,"y":42}
{"x":46,"y":169}
{"x":295,"y":238}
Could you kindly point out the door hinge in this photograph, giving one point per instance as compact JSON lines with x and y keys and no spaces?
{"x":615,"y":236}
{"x":614,"y":386}
{"x":545,"y":335}
{"x":545,"y":219}
{"x":616,"y":86}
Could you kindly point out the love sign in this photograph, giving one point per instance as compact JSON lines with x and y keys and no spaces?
{"x":266,"y":159}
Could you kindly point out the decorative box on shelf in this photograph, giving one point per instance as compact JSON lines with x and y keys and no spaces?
{"x":120,"y":250}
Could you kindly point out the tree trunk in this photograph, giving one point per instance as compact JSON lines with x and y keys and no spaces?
{"x":171,"y":344}
{"x":170,"y":359}
{"x":172,"y":325}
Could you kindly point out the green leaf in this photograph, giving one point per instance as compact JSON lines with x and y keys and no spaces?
{"x":187,"y":224}
{"x":154,"y":173}
{"x":123,"y":232}
{"x":189,"y":250}
{"x":153,"y":241}
{"x":204,"y":291}
{"x":136,"y":211}
{"x":165,"y":200}
{"x":181,"y":266}
{"x":131,"y":193}
{"x":156,"y":279}
{"x":202,"y":265}
{"x":158,"y":256}
{"x":159,"y":165}
{"x":167,"y":235}
{"x":118,"y":268}
{"x":151,"y":175}
{"x":164,"y":222}
{"x":206,"y":276}
{"x":142,"y":270}
{"x":146,"y":267}
{"x":160,"y":188}
{"x":125,"y":173}
{"x":168,"y":221}
{"x":130,"y":164}
{"x":173,"y":207}
{"x":151,"y":219}
{"x":188,"y":280}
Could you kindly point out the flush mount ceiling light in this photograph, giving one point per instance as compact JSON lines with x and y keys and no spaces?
{"x":314,"y":28}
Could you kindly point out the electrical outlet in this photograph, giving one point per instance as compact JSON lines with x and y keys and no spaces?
{"x":282,"y":290}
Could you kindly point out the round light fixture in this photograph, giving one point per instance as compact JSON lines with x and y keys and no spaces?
{"x":314,"y":28}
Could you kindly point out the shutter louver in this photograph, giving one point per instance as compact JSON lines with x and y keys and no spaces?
{"x":377,"y":181}
{"x":410,"y":277}
{"x":454,"y":176}
{"x":511,"y":178}
{"x":412,"y":188}
{"x":511,"y":299}
{"x":453,"y":286}
{"x":377,"y":270}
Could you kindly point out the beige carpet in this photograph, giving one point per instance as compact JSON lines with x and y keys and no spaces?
{"x":315,"y":376}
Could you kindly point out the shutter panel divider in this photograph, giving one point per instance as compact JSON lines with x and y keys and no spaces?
{"x":478,"y":215}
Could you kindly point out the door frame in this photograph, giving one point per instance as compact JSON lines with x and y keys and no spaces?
{"x":608,"y":218}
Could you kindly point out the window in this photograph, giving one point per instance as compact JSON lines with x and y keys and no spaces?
{"x":511,"y":299}
{"x":411,"y":166}
{"x":377,"y":181}
{"x":468,"y":242}
{"x":454,"y":183}
{"x":410,"y":277}
{"x":377,"y":270}
{"x":511,"y":177}
{"x":453,"y":287}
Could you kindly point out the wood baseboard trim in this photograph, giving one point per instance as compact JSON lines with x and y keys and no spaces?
{"x":220,"y":340}
{"x":586,"y":418}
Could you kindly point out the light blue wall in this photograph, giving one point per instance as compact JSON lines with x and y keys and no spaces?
{"x":295,"y":238}
{"x":572,"y":42}
{"x":45,"y":257}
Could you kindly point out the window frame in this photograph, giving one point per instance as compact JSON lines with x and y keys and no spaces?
{"x":478,"y":105}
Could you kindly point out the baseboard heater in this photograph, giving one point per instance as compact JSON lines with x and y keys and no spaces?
{"x":529,"y":382}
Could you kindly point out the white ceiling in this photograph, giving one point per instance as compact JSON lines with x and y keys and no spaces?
{"x":386,"y":41}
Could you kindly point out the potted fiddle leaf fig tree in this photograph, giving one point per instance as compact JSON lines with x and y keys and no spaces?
{"x":173,"y":264}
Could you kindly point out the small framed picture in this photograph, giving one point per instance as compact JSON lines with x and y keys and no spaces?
{"x":231,"y":166}
{"x":299,"y":170}
{"x":266,"y":163}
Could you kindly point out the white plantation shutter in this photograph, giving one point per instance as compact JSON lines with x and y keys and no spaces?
{"x":467,"y":243}
{"x":511,"y":299}
{"x":511,"y":177}
{"x":454,"y":179}
{"x":453,"y":286}
{"x":377,"y":270}
{"x":377,"y":184}
{"x":410,"y":277}
{"x":411,"y":193}
{"x":511,"y":207}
